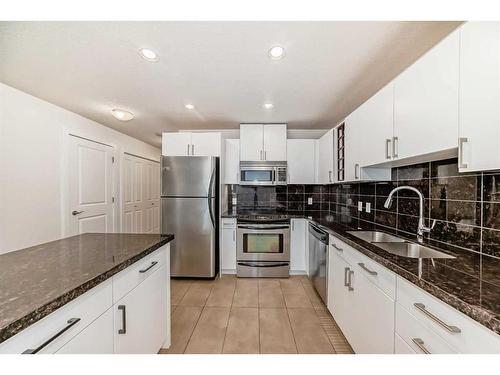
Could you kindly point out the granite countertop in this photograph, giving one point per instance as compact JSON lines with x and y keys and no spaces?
{"x":38,"y":280}
{"x":445,"y":280}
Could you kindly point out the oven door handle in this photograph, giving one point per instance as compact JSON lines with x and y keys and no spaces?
{"x":259,"y":265}
{"x":264,"y":228}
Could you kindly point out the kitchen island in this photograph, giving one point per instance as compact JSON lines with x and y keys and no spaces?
{"x":63,"y":293}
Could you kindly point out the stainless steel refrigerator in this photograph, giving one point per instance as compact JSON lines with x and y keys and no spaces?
{"x":190,"y":210}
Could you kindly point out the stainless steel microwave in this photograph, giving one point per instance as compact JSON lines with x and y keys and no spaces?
{"x":263,"y":173}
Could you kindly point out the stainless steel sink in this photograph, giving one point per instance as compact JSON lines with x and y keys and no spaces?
{"x":398,"y":246}
{"x":411,"y":250}
{"x":375,"y":236}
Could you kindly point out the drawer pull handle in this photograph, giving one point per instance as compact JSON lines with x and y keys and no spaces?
{"x":452,"y":329}
{"x":346,"y":271}
{"x":70,"y":323}
{"x":123,"y":330}
{"x":148,"y":268}
{"x":362,"y":265}
{"x":337,"y":248}
{"x":349,"y":286}
{"x":421,"y":345}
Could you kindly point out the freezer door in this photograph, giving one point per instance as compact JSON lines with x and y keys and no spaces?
{"x":191,"y":220}
{"x":186,"y":176}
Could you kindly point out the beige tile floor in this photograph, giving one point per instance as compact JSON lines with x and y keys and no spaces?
{"x":230,"y":315}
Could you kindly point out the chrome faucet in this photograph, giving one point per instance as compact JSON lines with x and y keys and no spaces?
{"x":421,"y":227}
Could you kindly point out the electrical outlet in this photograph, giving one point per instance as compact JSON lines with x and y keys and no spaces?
{"x":309,"y":200}
{"x":234,"y":201}
{"x":360,"y":206}
{"x":368,"y":207}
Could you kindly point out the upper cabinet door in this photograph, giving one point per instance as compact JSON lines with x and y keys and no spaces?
{"x":232,"y":161}
{"x":426,"y":102}
{"x":301,"y":161}
{"x":251,"y":142}
{"x":275,"y":142}
{"x":325,"y":158}
{"x":176,"y":144}
{"x":205,"y":144}
{"x":479,"y":96}
{"x":376,"y":120}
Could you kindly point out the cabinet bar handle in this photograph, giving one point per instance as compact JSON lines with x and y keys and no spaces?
{"x":330,"y":176}
{"x":449,"y":328}
{"x":362,"y":265}
{"x":265,"y":155}
{"x":395,"y":140}
{"x":70,"y":323}
{"x":421,"y":345}
{"x":123,"y":330}
{"x":356,"y":170}
{"x":149,"y":267}
{"x":192,"y":149}
{"x":234,"y":234}
{"x":461,"y":142}
{"x":349,"y":286}
{"x":388,"y":148}
{"x":337,"y":248}
{"x":346,"y":271}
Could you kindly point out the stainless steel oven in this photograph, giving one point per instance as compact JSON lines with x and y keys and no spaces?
{"x":263,"y":249}
{"x":263,"y":173}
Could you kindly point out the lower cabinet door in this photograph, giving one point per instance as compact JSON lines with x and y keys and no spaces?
{"x":339,"y":301}
{"x":140,"y":317}
{"x":371,"y":319}
{"x":229,"y":249}
{"x":97,"y":338}
{"x":298,"y":246}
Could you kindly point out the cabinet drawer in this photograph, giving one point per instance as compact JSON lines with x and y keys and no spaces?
{"x":417,"y":336}
{"x":229,"y":223}
{"x":88,"y":307}
{"x":129,"y":278}
{"x":375,"y":273}
{"x":97,"y":338}
{"x":468,"y":336}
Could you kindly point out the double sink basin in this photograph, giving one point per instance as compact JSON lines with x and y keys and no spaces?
{"x":398,"y":246}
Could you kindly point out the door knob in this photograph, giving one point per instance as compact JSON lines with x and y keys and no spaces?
{"x":74,"y":213}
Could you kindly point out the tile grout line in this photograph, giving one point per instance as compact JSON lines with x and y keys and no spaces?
{"x":197,"y":321}
{"x":289,"y":321}
{"x":227,"y":323}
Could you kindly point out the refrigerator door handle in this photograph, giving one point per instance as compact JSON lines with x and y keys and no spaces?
{"x":210,"y":198}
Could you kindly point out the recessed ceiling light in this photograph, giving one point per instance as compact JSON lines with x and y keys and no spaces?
{"x":148,"y":54}
{"x":277,"y":52}
{"x":189,"y":106}
{"x":268,"y":105}
{"x":122,"y":115}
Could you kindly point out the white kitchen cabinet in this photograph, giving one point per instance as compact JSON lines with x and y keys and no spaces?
{"x":298,"y":238}
{"x":325,"y":158}
{"x":232,"y":162}
{"x":191,"y":144}
{"x":479,"y":129}
{"x":426,"y":102}
{"x":176,"y":144}
{"x":275,"y":142}
{"x":353,"y":132}
{"x":339,"y":300}
{"x":140,"y":318}
{"x":97,"y":338}
{"x":301,"y":161}
{"x":228,"y":254}
{"x":206,"y":144}
{"x":401,"y":347}
{"x":263,"y":142}
{"x":375,"y":121}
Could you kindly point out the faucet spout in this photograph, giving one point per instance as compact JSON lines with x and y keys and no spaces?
{"x":421,"y":227}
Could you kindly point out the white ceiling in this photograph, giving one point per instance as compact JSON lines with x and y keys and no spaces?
{"x":222,"y":68}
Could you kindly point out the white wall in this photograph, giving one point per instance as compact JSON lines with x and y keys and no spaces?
{"x":32,"y":166}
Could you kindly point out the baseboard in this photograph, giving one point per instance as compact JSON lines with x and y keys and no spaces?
{"x":298,"y":272}
{"x":228,"y":272}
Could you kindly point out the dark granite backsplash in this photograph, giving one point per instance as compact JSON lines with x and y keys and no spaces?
{"x":466,"y":207}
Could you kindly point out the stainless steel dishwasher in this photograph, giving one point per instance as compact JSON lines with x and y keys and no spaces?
{"x":318,"y":259}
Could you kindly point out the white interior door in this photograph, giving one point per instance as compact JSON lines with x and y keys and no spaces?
{"x":90,"y":185}
{"x":141,"y":195}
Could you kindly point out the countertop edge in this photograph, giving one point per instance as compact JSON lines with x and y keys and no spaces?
{"x":41,"y":312}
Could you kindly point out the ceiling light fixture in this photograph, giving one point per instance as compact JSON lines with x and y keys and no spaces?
{"x":149,"y":55}
{"x":277,"y":52}
{"x":122,"y":115}
{"x":189,"y":106}
{"x":268,"y":105}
